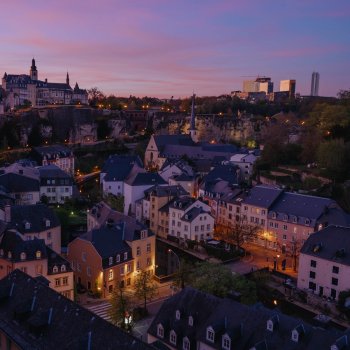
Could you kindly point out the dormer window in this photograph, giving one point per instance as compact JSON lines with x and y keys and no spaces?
{"x":273,"y":215}
{"x":272,"y":323}
{"x":295,"y":219}
{"x":118,"y":258}
{"x":178,"y":314}
{"x":55,"y":269}
{"x":190,"y":321}
{"x":186,"y":345}
{"x":47,"y":223}
{"x":210,"y":334}
{"x":9,"y":255}
{"x":160,"y":331}
{"x":1,"y":252}
{"x":307,"y":222}
{"x":297,"y":332}
{"x":125,"y":255}
{"x":295,"y":335}
{"x":172,"y":337}
{"x":285,"y":217}
{"x":110,"y":260}
{"x":226,"y":342}
{"x":63,"y":268}
{"x":23,"y":256}
{"x":143,"y":234}
{"x":27,"y":225}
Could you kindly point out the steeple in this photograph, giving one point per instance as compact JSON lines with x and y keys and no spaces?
{"x":193,"y":131}
{"x":33,"y":71}
{"x":67,"y":79}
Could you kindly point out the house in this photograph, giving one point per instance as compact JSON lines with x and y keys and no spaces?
{"x":116,"y":170}
{"x":24,"y":189}
{"x":113,"y":252}
{"x":190,"y":219}
{"x":175,"y":168}
{"x":101,"y":259}
{"x":141,"y":240}
{"x":245,"y":162}
{"x":159,"y":197}
{"x":255,"y":208}
{"x":55,"y":184}
{"x":324,"y":262}
{"x":293,"y":217}
{"x":33,"y":317}
{"x":35,"y":258}
{"x":135,"y":185}
{"x":192,"y":320}
{"x":59,"y":155}
{"x":35,"y":221}
{"x":187,"y":182}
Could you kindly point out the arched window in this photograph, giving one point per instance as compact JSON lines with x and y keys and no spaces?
{"x":55,"y":269}
{"x":172,"y":337}
{"x":63,"y":268}
{"x":186,"y":344}
{"x":160,"y":331}
{"x":178,"y":314}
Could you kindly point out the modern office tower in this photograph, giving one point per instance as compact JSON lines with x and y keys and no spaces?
{"x":289,"y":86}
{"x":315,"y":81}
{"x":260,"y":84}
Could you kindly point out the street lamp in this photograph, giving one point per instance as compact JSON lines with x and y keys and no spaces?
{"x":178,"y":259}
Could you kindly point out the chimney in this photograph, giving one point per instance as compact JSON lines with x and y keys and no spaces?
{"x":7,"y":213}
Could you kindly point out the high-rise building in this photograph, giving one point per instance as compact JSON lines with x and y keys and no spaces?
{"x":288,"y":86}
{"x":260,"y":84}
{"x":315,"y":81}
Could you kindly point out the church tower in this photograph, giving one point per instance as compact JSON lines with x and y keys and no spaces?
{"x":33,"y":71}
{"x":67,"y":79}
{"x":193,"y":130}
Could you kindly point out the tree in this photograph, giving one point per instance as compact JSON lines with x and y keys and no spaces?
{"x":237,"y":234}
{"x":95,"y":96}
{"x":218,"y":279}
{"x":120,"y":311}
{"x":115,"y":202}
{"x":145,"y":288}
{"x":182,"y":275}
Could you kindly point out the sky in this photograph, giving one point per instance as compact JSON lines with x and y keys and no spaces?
{"x":167,"y":48}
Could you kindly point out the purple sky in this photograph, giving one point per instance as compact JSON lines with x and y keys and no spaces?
{"x":170,"y":48}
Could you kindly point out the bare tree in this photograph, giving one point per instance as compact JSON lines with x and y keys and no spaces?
{"x":145,"y":288}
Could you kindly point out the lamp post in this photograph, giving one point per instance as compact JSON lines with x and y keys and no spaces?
{"x":177,"y":257}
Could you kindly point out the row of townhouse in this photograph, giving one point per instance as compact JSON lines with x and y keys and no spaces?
{"x":28,"y":185}
{"x":113,"y":251}
{"x":285,"y":220}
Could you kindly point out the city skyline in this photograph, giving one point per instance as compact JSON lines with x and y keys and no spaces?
{"x":169,"y":49}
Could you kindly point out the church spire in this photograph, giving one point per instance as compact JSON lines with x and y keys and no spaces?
{"x":67,"y":79}
{"x":193,"y":131}
{"x":33,"y":71}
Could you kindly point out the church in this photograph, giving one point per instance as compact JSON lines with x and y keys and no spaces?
{"x":24,"y":90}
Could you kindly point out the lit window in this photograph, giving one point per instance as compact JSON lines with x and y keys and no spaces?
{"x":38,"y":254}
{"x":110,"y":274}
{"x":138,"y":251}
{"x":148,"y":247}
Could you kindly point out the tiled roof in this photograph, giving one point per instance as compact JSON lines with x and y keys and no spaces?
{"x":331,"y":243}
{"x":36,"y":215}
{"x":36,"y":317}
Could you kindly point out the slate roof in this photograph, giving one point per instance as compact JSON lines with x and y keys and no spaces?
{"x":227,"y":172}
{"x":13,"y":242}
{"x":165,"y":191}
{"x":192,"y":214}
{"x":181,"y":203}
{"x":54,"y":259}
{"x":52,"y":171}
{"x":181,"y":139}
{"x":108,"y":240}
{"x":59,"y":86}
{"x":262,"y":196}
{"x":36,"y":317}
{"x":300,"y":208}
{"x":36,"y":215}
{"x":183,"y":177}
{"x":118,"y":168}
{"x":143,"y":179}
{"x":52,"y":151}
{"x":331,"y":243}
{"x":245,"y":325}
{"x":16,"y":183}
{"x":132,"y":230}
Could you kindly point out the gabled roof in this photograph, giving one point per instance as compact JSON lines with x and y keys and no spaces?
{"x":52,"y":151}
{"x":165,"y":191}
{"x":181,"y":139}
{"x":53,"y":171}
{"x":36,"y":215}
{"x":16,"y":183}
{"x":227,"y":172}
{"x":143,"y":179}
{"x":262,"y":196}
{"x":192,"y":214}
{"x":118,"y":168}
{"x":54,"y":322}
{"x":331,"y":243}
